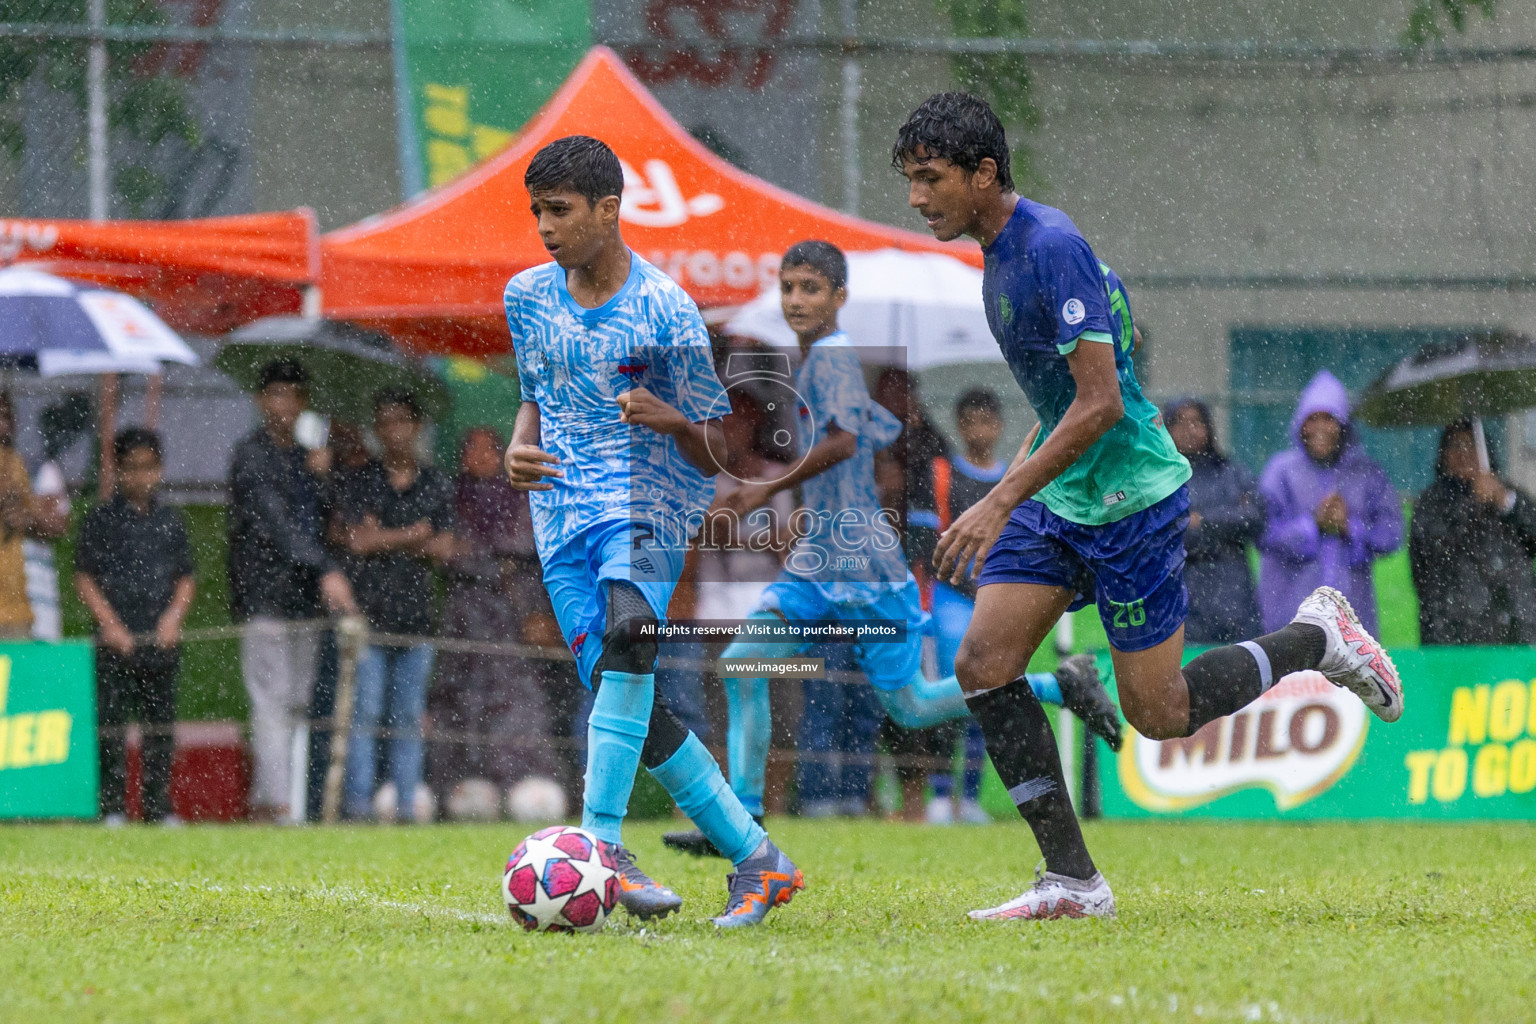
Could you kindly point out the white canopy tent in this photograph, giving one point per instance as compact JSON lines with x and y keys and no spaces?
{"x":927,"y":305}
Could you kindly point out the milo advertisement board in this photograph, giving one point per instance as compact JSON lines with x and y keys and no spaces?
{"x":1464,"y":748}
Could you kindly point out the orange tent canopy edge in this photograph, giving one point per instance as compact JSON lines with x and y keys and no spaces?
{"x":206,"y":275}
{"x":431,"y":272}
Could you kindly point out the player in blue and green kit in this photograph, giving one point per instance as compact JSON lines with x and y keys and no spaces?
{"x":616,"y":440}
{"x":848,"y":566}
{"x":1092,"y":510}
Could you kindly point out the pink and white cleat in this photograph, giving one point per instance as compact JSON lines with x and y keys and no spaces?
{"x":1054,"y":896}
{"x":1353,"y":659}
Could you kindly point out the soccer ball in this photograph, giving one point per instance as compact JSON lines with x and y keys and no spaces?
{"x":536,"y":800}
{"x":561,"y":879}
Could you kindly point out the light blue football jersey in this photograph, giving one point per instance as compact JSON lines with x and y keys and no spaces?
{"x":573,"y":362}
{"x":853,"y":552}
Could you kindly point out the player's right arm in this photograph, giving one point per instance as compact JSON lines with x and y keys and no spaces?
{"x":527,"y":465}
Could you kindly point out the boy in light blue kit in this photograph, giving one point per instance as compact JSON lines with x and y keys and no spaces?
{"x":848,"y":568}
{"x":617,"y":439}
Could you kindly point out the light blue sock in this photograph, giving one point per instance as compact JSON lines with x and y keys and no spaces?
{"x":694,"y":780}
{"x":926,"y":702}
{"x":746,"y":739}
{"x":751,"y":721}
{"x":923,"y":702}
{"x":621,"y":717}
{"x":1045,"y":686}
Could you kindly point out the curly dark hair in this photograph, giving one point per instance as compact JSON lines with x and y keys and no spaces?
{"x":959,"y":127}
{"x":580,"y":163}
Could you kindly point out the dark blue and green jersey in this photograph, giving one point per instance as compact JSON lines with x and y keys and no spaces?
{"x":1045,"y":291}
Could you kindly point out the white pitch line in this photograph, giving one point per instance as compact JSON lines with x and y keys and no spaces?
{"x":344,"y":894}
{"x":339,"y":894}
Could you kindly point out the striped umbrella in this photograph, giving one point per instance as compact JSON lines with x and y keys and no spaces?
{"x":60,"y":327}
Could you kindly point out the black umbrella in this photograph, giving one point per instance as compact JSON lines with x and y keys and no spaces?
{"x":1485,"y":373}
{"x":347,"y":365}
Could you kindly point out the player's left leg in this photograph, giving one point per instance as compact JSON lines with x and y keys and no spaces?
{"x":620,"y":731}
{"x":1139,"y":588}
{"x":1164,"y":701}
{"x":1074,"y":685}
{"x":639,"y":591}
{"x":764,"y":877}
{"x":749,"y":729}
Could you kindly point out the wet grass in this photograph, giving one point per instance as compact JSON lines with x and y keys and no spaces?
{"x":1217,"y":922}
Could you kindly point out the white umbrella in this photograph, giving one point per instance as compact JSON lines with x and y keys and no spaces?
{"x":67,"y":328}
{"x":927,"y":304}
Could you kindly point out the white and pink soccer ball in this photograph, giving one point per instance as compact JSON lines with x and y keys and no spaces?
{"x":561,"y":879}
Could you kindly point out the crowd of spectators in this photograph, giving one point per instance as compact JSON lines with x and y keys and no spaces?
{"x":320,"y":527}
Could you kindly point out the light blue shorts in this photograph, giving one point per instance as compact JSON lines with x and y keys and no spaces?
{"x":576,"y":576}
{"x":889,"y":666}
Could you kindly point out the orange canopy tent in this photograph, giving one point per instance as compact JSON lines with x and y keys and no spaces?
{"x":431,"y":272}
{"x":206,"y":276}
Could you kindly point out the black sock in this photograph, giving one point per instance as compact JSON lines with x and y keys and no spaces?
{"x":1023,"y":751}
{"x":666,"y":734}
{"x":1230,"y":678}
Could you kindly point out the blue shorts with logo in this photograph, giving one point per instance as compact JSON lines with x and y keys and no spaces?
{"x":888,"y":666}
{"x":577,"y":574}
{"x":1133,"y":568}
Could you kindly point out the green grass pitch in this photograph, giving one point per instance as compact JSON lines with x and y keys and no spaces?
{"x":1217,"y":922}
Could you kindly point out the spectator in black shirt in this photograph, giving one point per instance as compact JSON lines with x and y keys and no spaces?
{"x":280,"y":573}
{"x":398,"y":521}
{"x":1472,"y":541}
{"x":133,"y":570}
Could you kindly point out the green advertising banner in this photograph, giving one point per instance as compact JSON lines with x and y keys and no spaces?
{"x":470,"y":73}
{"x":1464,"y":748}
{"x":47,"y":731}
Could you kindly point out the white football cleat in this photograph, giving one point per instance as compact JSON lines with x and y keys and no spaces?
{"x":1352,"y":658}
{"x":1054,"y":896}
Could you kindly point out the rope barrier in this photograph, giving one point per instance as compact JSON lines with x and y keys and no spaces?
{"x":353,"y":634}
{"x":459,"y":645}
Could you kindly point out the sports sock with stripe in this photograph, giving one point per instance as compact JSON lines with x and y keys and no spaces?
{"x":1228,"y":679}
{"x":1023,"y":750}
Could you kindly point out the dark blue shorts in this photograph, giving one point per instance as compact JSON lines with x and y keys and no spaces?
{"x":1133,"y":569}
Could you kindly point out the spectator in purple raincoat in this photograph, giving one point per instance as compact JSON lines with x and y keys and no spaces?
{"x":1331,"y":511}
